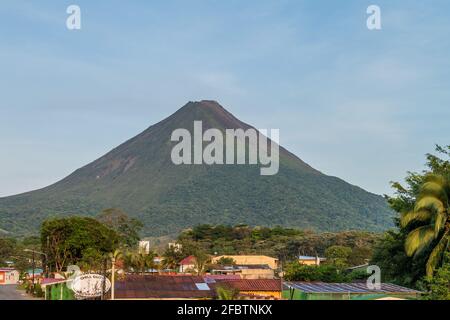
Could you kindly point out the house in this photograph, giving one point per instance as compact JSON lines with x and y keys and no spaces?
{"x":310,"y":260}
{"x":246,"y":271}
{"x":37,"y":276}
{"x":9,"y":276}
{"x":38,"y":272}
{"x":345,"y":291}
{"x":254,"y":288}
{"x":187,"y":264}
{"x":273,"y":263}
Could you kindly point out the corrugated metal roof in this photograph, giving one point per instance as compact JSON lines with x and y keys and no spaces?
{"x":252,"y":284}
{"x":241,"y":267}
{"x":321,"y":287}
{"x":311,"y":258}
{"x":7,"y":269}
{"x":211,"y":278}
{"x":157,"y":286}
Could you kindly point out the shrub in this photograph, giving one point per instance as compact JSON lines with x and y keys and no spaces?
{"x":323,"y":273}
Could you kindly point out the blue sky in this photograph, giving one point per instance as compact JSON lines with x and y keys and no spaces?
{"x":358,"y":104}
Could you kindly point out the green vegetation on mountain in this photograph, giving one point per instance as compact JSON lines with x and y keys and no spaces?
{"x":139,"y":178}
{"x":346,"y":248}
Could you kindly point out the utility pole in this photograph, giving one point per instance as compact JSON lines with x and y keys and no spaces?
{"x":33,"y":262}
{"x":32,"y":286}
{"x":46,"y":257}
{"x":104,"y":278}
{"x":113,"y":274}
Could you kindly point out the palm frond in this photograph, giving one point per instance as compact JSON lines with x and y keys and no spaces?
{"x":429,"y":203}
{"x":439,"y":222}
{"x":436,"y":255}
{"x":421,"y":215}
{"x":418,"y":239}
{"x":436,"y":189}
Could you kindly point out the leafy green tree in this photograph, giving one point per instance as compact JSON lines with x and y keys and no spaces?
{"x":92,"y":260}
{"x":226,"y":261}
{"x":360,"y":255}
{"x":439,"y":285}
{"x":67,"y":240}
{"x":226,"y":293}
{"x":7,"y":250}
{"x":324,"y":273}
{"x":390,"y":253}
{"x":202,"y":259}
{"x":171,"y":258}
{"x":127,"y":228}
{"x":338,"y":255}
{"x":137,"y":261}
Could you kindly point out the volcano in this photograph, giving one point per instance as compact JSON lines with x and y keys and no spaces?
{"x":139,"y":177}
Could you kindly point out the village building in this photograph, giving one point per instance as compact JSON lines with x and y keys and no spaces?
{"x":9,"y":276}
{"x":246,"y":271}
{"x":187,"y":264}
{"x":273,"y":263}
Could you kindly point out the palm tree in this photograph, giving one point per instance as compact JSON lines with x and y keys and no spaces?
{"x":225,"y":293}
{"x":430,"y":220}
{"x":140,"y":262}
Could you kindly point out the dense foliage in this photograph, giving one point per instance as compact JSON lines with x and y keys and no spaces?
{"x":127,"y":228}
{"x":323,"y":273}
{"x":419,"y":244}
{"x":77,"y":240}
{"x":284,"y":243}
{"x":439,"y":285}
{"x":12,"y":251}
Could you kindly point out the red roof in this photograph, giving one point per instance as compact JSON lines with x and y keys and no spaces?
{"x":188,"y":261}
{"x":46,"y":281}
